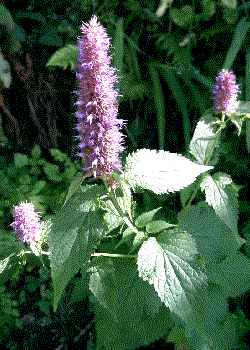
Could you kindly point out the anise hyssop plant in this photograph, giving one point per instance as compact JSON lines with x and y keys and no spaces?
{"x":150,"y":278}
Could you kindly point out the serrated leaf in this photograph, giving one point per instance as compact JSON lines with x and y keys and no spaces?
{"x":158,"y":226}
{"x":127,"y":195}
{"x":170,"y":265}
{"x":20,"y":160}
{"x":74,"y":234}
{"x":140,"y":312}
{"x":112,"y":218}
{"x":160,"y":171}
{"x":204,"y":140}
{"x":144,"y":218}
{"x":214,"y":241}
{"x":222,"y":196}
{"x":232,"y":274}
{"x":242,"y":111}
{"x":64,"y":57}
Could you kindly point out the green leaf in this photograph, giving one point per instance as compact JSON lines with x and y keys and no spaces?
{"x":53,"y":172}
{"x":20,"y":160}
{"x":75,"y":232}
{"x":240,"y":33}
{"x":183,"y":16}
{"x":58,"y":155}
{"x":75,"y":184}
{"x":222,"y":195}
{"x":230,"y":3}
{"x":170,"y":265}
{"x":64,"y":57}
{"x":6,"y":18}
{"x":127,"y":195}
{"x":36,"y":152}
{"x":219,"y":326}
{"x":141,"y":317}
{"x":160,"y":171}
{"x":158,"y":226}
{"x":204,"y":140}
{"x":242,"y":111}
{"x":232,"y":274}
{"x":145,"y":218}
{"x":213,"y":238}
{"x":112,"y":218}
{"x":5,"y":75}
{"x":102,"y":284}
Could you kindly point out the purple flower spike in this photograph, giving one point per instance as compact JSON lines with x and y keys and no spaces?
{"x":27,"y":223}
{"x":225,"y":92}
{"x":98,"y":128}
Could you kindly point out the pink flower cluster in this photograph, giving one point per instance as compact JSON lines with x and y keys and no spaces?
{"x":98,"y":127}
{"x":225,"y":92}
{"x":27,"y":223}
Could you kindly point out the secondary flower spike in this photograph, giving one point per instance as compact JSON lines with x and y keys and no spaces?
{"x":98,"y":128}
{"x":27,"y":223}
{"x":225,"y":92}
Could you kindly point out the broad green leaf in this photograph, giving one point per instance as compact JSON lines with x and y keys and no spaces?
{"x":141,"y":317}
{"x":158,"y":226}
{"x":20,"y":160}
{"x":232,"y":274}
{"x":74,"y":186}
{"x":213,"y":238}
{"x":242,"y":111}
{"x":222,"y":195}
{"x":145,"y":218}
{"x":76,"y":230}
{"x":160,"y":171}
{"x":112,"y":218}
{"x":127,"y":195}
{"x":169,"y":263}
{"x":219,"y":325}
{"x":204,"y":140}
{"x":64,"y":57}
{"x":102,"y":284}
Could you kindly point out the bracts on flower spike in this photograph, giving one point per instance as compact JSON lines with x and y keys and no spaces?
{"x":100,"y":139}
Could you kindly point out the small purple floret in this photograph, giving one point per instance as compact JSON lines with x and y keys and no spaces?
{"x":27,"y":223}
{"x":100,"y":139}
{"x":225,"y":92}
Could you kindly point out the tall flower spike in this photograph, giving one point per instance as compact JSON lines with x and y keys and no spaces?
{"x":99,"y":134}
{"x":27,"y":223}
{"x":225,"y":92}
